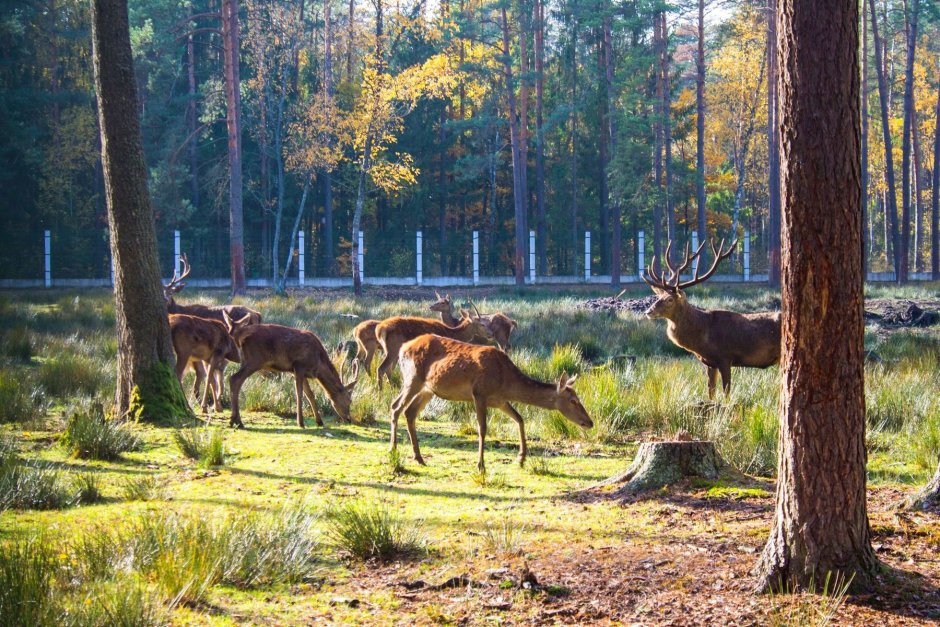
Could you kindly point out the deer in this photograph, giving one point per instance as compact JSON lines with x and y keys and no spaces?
{"x":499,"y":324}
{"x":276,"y":348}
{"x":394,"y":332}
{"x":200,"y":341}
{"x":432,"y":365}
{"x":364,"y":332}
{"x":719,"y":339}
{"x":213,"y":312}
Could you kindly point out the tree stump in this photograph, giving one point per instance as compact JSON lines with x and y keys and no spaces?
{"x":659,"y":464}
{"x":929,"y":497}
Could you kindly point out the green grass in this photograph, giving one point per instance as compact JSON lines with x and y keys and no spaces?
{"x":203,"y":444}
{"x":27,"y":574}
{"x":19,"y":402}
{"x":368,"y":530}
{"x":89,"y":434}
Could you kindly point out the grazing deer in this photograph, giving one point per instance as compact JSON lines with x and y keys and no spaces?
{"x":720,"y":339}
{"x":394,"y":332}
{"x":364,"y":332}
{"x":456,"y":371}
{"x":199,"y":341}
{"x":499,"y":324}
{"x":283,"y":349}
{"x":214,"y":312}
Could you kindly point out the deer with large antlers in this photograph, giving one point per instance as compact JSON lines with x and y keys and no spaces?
{"x":720,"y":339}
{"x":394,"y":332}
{"x":499,"y":324}
{"x":213,"y":312}
{"x":276,"y":348}
{"x":483,"y":375}
{"x":198,"y":342}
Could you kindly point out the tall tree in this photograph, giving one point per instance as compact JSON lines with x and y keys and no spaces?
{"x":865,"y":164}
{"x":700,"y":130}
{"x":820,"y":523}
{"x":667,"y":127}
{"x":541,"y":235}
{"x":518,"y":191}
{"x":611,"y":130}
{"x":773,"y":152}
{"x":891,"y":204}
{"x":232,"y":83}
{"x":328,"y":248}
{"x":146,"y":385}
{"x":904,"y":268}
{"x":935,"y":214}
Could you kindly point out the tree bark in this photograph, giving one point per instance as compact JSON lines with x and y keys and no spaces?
{"x":328,"y":250}
{"x":935,"y":215}
{"x":820,"y":522}
{"x":146,"y":385}
{"x":667,"y":129}
{"x":864,"y":88}
{"x":230,"y":50}
{"x":603,"y":136}
{"x":573,"y":140}
{"x":657,"y":150}
{"x":929,"y":497}
{"x":700,"y":132}
{"x":773,"y":148}
{"x":891,"y":206}
{"x":519,"y":200}
{"x":906,"y":147}
{"x":523,"y":125}
{"x":917,"y":191}
{"x":192,"y":119}
{"x":349,"y":39}
{"x":541,"y":236}
{"x":612,"y":132}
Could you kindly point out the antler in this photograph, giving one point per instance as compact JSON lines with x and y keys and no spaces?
{"x":176,"y":283}
{"x":718,"y":255}
{"x":472,"y":304}
{"x":672,"y":283}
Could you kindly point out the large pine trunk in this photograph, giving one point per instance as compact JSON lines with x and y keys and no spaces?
{"x":146,"y":385}
{"x":935,"y":215}
{"x":773,"y":151}
{"x":230,"y":51}
{"x":906,"y":148}
{"x":518,"y":191}
{"x":864,"y":194}
{"x":541,"y":244}
{"x":612,"y":132}
{"x":700,"y":132}
{"x":820,"y":524}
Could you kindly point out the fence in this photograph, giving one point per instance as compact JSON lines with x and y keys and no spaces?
{"x":420,"y":277}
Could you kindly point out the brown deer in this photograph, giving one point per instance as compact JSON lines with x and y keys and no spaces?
{"x":283,"y":349}
{"x":213,"y":312}
{"x":499,"y":324}
{"x":197,"y":342}
{"x":364,"y":332}
{"x":720,"y":339}
{"x":483,"y":375}
{"x":394,"y":332}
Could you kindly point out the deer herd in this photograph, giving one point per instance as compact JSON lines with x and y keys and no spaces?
{"x":463,"y":357}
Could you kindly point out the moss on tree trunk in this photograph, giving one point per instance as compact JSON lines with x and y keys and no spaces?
{"x":158,"y":397}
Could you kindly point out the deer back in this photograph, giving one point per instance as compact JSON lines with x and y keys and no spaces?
{"x":405,"y":328}
{"x":279,"y":348}
{"x":201,"y":338}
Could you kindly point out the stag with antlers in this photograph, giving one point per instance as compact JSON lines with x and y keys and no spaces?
{"x":720,"y":339}
{"x":275,"y":348}
{"x":213,"y":312}
{"x":499,"y":324}
{"x":485,"y":376}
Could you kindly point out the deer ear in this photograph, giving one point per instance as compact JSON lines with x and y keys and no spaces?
{"x":572,"y":380}
{"x":659,"y":291}
{"x":228,"y":321}
{"x":437,"y":294}
{"x":562,"y":381}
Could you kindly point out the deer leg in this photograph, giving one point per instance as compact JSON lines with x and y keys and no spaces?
{"x":388,"y":364}
{"x":401,"y":402}
{"x":510,"y":411}
{"x":712,"y":377}
{"x":235,"y":383}
{"x":725,"y":370}
{"x":199,"y":368}
{"x":480,"y":404}
{"x":313,"y":402}
{"x":210,"y":385}
{"x":411,"y":416}
{"x":219,"y":389}
{"x":299,"y":390}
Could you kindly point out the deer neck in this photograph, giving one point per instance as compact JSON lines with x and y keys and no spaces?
{"x":532,"y":392}
{"x":685,"y":324}
{"x":447,"y":317}
{"x":329,"y":378}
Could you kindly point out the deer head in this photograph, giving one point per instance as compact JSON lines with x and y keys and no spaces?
{"x":568,"y":403}
{"x":443,"y":303}
{"x":176,"y":283}
{"x":342,"y":400}
{"x":478,"y":329}
{"x":671,"y":299}
{"x":234,"y":325}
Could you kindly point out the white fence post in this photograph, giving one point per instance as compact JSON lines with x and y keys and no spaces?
{"x":531,"y":256}
{"x":176,"y":252}
{"x":640,"y":254}
{"x":476,"y":257}
{"x":362,"y":259}
{"x":694,"y":248}
{"x":587,"y":255}
{"x":747,"y":255}
{"x":419,"y":258}
{"x":300,"y":257}
{"x":47,"y":240}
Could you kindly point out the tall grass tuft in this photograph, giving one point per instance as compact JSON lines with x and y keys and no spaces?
{"x":504,"y":536}
{"x":87,"y":488}
{"x":205,"y":445}
{"x":811,"y":609}
{"x":125,"y":602}
{"x":15,"y":344}
{"x":27,"y":577}
{"x":29,"y":486}
{"x":89,"y":434}
{"x":142,"y":488}
{"x":368,"y":530}
{"x":67,"y":374}
{"x":18,"y":403}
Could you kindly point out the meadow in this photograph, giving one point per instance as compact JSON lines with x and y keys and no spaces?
{"x":194,"y":523}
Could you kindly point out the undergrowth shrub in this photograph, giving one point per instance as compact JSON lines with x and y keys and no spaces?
{"x":141,"y":488}
{"x":68,"y":374}
{"x":86,"y":487}
{"x":27,"y":577}
{"x":203,"y":444}
{"x":89,"y":434}
{"x":368,"y":530}
{"x":24,"y":485}
{"x":125,"y":602}
{"x":15,"y":344}
{"x":18,"y":402}
{"x":504,"y":536}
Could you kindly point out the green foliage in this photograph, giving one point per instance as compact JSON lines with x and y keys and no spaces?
{"x":141,"y":488}
{"x":27,"y":575}
{"x":17,"y":402}
{"x":34,"y":485}
{"x":204,"y":444}
{"x":87,"y":488}
{"x":125,"y":602}
{"x":15,"y":344}
{"x":67,"y":374}
{"x":89,"y":434}
{"x":369,"y":530}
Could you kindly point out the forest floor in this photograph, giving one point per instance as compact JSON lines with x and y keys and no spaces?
{"x":520,"y":546}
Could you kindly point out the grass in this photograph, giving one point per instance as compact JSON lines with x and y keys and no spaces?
{"x":18,"y":402}
{"x":27,"y":574}
{"x":68,"y":374}
{"x":89,"y":434}
{"x":29,"y":485}
{"x":142,"y":488}
{"x":504,"y":536}
{"x":368,"y":530}
{"x":87,"y":488}
{"x":814,"y":608}
{"x":203,"y":444}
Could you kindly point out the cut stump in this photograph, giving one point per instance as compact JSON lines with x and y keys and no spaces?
{"x":658,"y":464}
{"x":928,"y":498}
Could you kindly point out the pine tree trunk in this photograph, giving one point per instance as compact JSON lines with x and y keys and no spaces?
{"x":906,"y":148}
{"x":192,"y":120}
{"x":891,"y":206}
{"x":523,"y":125}
{"x":667,"y":130}
{"x":820,"y":523}
{"x":573,"y":140}
{"x":612,"y":132}
{"x":349,"y":39}
{"x":514,"y":142}
{"x":700,"y":133}
{"x":231,"y":48}
{"x":146,"y":385}
{"x":603,"y":214}
{"x":935,"y":214}
{"x":918,"y":188}
{"x":864,"y":88}
{"x":657,"y":151}
{"x":773,"y":148}
{"x":329,"y":255}
{"x":541,"y":241}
